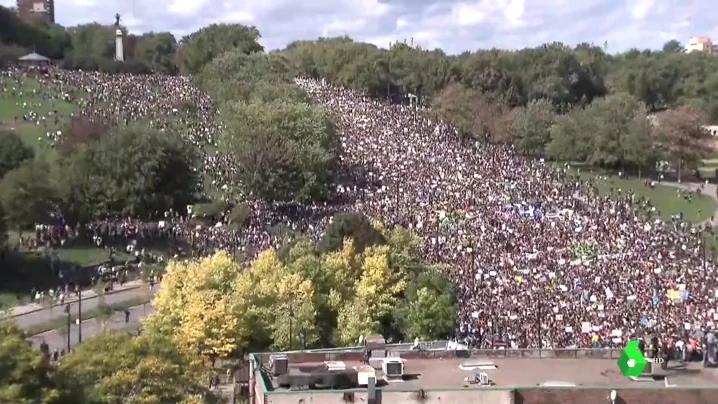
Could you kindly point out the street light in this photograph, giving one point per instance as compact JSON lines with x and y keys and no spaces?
{"x":291,"y":319}
{"x":69,"y":324}
{"x":79,"y":315}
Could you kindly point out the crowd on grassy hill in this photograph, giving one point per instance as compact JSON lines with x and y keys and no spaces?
{"x":528,"y":246}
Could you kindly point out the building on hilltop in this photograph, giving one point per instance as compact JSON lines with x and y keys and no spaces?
{"x":701,"y":44}
{"x":36,"y":10}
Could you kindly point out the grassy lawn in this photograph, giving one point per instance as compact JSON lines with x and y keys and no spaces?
{"x":30,"y":95}
{"x":666,"y":199}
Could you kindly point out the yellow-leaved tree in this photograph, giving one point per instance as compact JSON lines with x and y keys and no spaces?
{"x":209,"y":324}
{"x":274,"y":300}
{"x":197,"y":306}
{"x":114,"y":367}
{"x":376,"y":295}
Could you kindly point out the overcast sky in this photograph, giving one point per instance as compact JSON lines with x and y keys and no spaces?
{"x":452,"y":25}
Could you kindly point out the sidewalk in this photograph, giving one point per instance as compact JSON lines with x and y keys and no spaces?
{"x":87,"y":294}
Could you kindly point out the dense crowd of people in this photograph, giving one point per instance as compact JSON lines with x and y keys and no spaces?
{"x":539,"y":258}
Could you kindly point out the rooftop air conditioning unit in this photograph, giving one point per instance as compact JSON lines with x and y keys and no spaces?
{"x":393,"y":369}
{"x":483,"y":379}
{"x":279,"y":364}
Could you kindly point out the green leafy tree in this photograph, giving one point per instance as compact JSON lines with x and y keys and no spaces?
{"x":201,"y":47}
{"x":673,"y":46}
{"x":25,"y":375}
{"x":237,"y":76}
{"x":428,"y":315}
{"x":29,"y":195}
{"x":115,"y":367}
{"x":13,"y":152}
{"x":134,"y":170}
{"x":639,"y":142}
{"x":612,"y":119}
{"x":284,"y":150}
{"x":93,"y":47}
{"x":157,"y":51}
{"x":354,"y":226}
{"x":571,"y":137}
{"x":531,"y":127}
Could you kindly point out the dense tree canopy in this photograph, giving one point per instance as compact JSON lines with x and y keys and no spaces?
{"x":146,"y":369}
{"x":201,"y":47}
{"x":135,"y":171}
{"x":24,"y":373}
{"x":303,"y":296}
{"x":13,"y":151}
{"x":29,"y":195}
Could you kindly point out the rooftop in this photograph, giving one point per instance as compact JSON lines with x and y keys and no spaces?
{"x":438,"y":369}
{"x":442,"y":374}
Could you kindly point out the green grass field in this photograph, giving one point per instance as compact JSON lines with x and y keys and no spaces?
{"x":666,"y":199}
{"x":30,"y":95}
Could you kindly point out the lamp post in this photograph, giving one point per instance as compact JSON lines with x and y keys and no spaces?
{"x":538,"y":324}
{"x":704,"y":252}
{"x":291,"y":320}
{"x":79,"y":315}
{"x":69,"y":325}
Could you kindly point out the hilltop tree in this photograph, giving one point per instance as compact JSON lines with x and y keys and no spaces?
{"x":673,"y":46}
{"x":285,"y":151}
{"x":157,"y":51}
{"x":530,"y":128}
{"x":201,"y":47}
{"x":238,"y":76}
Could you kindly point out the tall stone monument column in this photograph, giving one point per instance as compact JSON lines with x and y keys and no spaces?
{"x":119,"y":51}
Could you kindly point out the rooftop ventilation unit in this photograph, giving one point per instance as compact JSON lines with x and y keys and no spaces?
{"x":364,"y":372}
{"x":480,"y":378}
{"x":393,"y":369}
{"x":279,"y":364}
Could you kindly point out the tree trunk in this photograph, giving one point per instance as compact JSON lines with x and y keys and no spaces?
{"x":679,"y":171}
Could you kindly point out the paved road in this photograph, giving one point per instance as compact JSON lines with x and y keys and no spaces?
{"x":57,"y":339}
{"x":47,"y":315}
